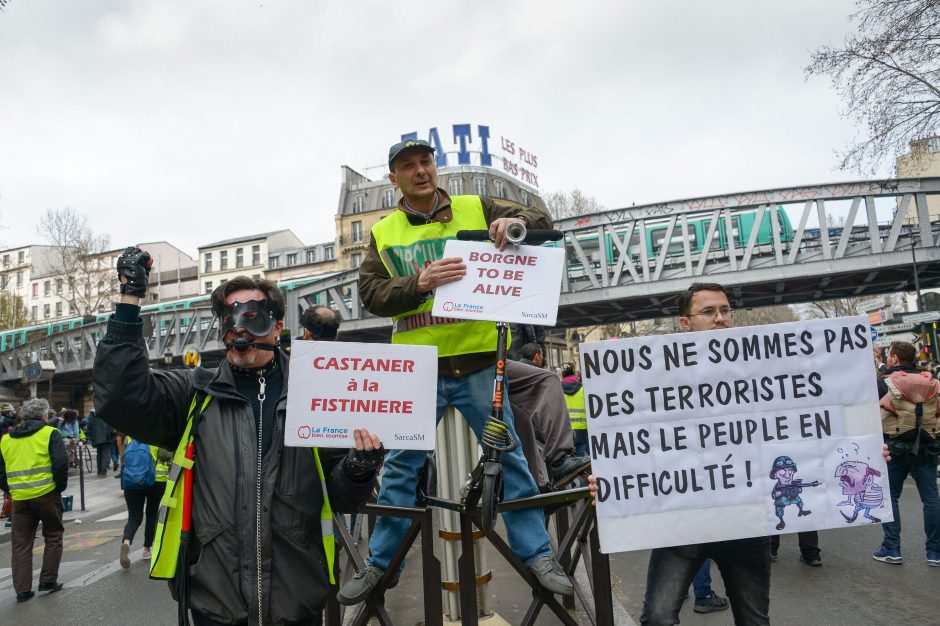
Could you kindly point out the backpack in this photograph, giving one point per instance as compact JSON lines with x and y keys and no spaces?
{"x":138,"y":471}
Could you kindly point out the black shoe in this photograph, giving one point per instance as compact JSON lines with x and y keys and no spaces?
{"x":811,"y":560}
{"x":773,"y":555}
{"x":26,"y":595}
{"x":711,"y":603}
{"x":53,"y":586}
{"x":567,"y":466}
{"x":358,"y":588}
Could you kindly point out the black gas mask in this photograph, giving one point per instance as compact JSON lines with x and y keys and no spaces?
{"x":256,"y":317}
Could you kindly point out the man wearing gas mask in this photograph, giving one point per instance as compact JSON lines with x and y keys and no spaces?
{"x":259,"y":512}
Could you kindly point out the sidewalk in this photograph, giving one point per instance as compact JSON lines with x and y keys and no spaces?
{"x":102,"y":495}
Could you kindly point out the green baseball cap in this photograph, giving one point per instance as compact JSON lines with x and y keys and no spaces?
{"x":400,"y":147}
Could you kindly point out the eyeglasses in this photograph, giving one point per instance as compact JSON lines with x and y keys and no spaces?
{"x":712,"y":314}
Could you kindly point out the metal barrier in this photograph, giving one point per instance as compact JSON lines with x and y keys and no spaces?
{"x":575,"y":524}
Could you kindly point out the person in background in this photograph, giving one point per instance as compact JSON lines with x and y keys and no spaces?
{"x":100,"y":434}
{"x":320,"y":323}
{"x":574,"y":401}
{"x":143,"y":498}
{"x":70,"y":427}
{"x":34,"y":468}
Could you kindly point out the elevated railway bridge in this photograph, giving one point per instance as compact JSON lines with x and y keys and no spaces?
{"x":779,"y":246}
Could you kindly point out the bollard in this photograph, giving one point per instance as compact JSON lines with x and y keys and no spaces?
{"x":457,"y":454}
{"x":81,"y":473}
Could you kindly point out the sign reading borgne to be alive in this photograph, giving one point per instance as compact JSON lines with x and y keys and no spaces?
{"x":725,"y":434}
{"x":518,"y":284}
{"x":336,"y":387}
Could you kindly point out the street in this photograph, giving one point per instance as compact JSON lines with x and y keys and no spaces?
{"x":850,"y":588}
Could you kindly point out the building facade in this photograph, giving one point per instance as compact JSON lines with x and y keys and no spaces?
{"x":923,"y":160}
{"x":251,"y":255}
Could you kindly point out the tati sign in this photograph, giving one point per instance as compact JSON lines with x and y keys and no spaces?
{"x":520,"y":284}
{"x":336,"y":387}
{"x":725,"y":434}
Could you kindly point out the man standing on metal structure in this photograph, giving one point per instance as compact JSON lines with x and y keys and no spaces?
{"x":34,"y":468}
{"x":397,"y":278}
{"x":261,"y":512}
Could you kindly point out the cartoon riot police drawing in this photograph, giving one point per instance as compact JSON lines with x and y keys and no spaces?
{"x":788,"y":489}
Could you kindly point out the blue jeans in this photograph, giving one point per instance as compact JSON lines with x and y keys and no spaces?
{"x":471,"y":395}
{"x":924,"y":472}
{"x":744,"y":565}
{"x":702,"y":583}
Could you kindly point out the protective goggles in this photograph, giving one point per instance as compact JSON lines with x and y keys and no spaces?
{"x":257,"y":317}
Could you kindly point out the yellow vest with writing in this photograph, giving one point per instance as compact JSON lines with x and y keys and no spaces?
{"x":161,"y":470}
{"x":576,"y":412}
{"x":405,"y":250}
{"x":166,"y":546}
{"x":28,"y":464}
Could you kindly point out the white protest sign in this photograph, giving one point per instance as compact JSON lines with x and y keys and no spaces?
{"x":519,"y":284}
{"x":336,"y":387}
{"x":725,"y":434}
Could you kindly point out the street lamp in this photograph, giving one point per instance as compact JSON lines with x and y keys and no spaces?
{"x":168,"y":359}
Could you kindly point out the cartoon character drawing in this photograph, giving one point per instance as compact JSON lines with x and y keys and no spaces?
{"x":860,"y":489}
{"x":787,"y":490}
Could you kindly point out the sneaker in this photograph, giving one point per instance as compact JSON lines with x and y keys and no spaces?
{"x":812,"y":560}
{"x":551,"y":576}
{"x":773,"y":556}
{"x":711,"y":603}
{"x":125,"y":555}
{"x":888,"y":556}
{"x":933,"y":558}
{"x":148,"y":552}
{"x":50,"y":587}
{"x":568,"y":465}
{"x":24,"y":596}
{"x":358,"y":588}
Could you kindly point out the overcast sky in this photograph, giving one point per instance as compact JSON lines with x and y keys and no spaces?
{"x":192,"y":122}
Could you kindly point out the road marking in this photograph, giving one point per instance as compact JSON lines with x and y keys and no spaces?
{"x":114,"y":518}
{"x":76,"y":541}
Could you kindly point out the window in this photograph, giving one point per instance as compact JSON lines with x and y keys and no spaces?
{"x":47,"y":288}
{"x":6,"y":260}
{"x":524,"y":197}
{"x":356,"y":259}
{"x":223,"y":260}
{"x":311,"y":256}
{"x":35,"y":290}
{"x":207,"y":264}
{"x":46,"y":310}
{"x":291,"y":259}
{"x":455,"y":185}
{"x":358,"y":203}
{"x":500,"y":188}
{"x":58,"y":309}
{"x":479,"y":186}
{"x":356,"y":231}
{"x":328,"y":253}
{"x":208,"y":286}
{"x":388,"y":198}
{"x":239,"y":257}
{"x":21,"y":256}
{"x":274,"y":262}
{"x":35,"y":312}
{"x":58,"y":287}
{"x":255,"y":255}
{"x":19,"y":279}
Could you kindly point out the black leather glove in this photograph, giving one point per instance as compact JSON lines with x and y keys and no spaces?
{"x":362,"y":463}
{"x":134,"y":264}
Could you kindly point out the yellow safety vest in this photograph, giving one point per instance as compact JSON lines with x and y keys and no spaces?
{"x":28,"y":464}
{"x":405,"y":249}
{"x":166,"y":547}
{"x":576,"y":412}
{"x":161,"y":469}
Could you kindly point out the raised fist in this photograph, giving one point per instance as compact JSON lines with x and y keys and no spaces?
{"x":133,"y":267}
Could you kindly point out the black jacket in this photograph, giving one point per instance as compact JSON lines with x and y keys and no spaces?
{"x":152,"y":406}
{"x":57,"y":453}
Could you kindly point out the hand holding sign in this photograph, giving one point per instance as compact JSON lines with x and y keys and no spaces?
{"x":440,"y":273}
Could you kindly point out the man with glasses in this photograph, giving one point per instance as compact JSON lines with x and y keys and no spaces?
{"x":744,"y":563}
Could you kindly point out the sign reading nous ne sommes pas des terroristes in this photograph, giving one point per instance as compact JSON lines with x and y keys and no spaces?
{"x":725,"y":434}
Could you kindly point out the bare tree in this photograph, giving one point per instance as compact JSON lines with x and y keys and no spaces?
{"x":764,"y":315}
{"x":889,"y":75}
{"x":843,"y":307}
{"x":561,"y":205}
{"x":80,"y":263}
{"x":13,"y":312}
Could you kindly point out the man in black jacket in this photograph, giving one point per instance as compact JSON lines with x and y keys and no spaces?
{"x":256,"y":511}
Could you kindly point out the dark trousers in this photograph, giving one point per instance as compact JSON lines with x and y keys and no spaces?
{"x":136,"y":500}
{"x":745,"y":568}
{"x":104,"y":457}
{"x":26,"y":517}
{"x":538,"y":406}
{"x":924,"y":472}
{"x":809,"y":543}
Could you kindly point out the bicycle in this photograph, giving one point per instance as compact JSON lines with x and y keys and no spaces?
{"x":79,"y":451}
{"x":485,"y":486}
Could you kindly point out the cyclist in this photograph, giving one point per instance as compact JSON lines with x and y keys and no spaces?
{"x":402,"y":268}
